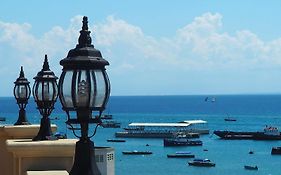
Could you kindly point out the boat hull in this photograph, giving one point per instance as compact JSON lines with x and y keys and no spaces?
{"x":180,"y":155}
{"x":276,"y":150}
{"x":231,"y":135}
{"x":177,"y":142}
{"x":136,"y":152}
{"x":202,"y":164}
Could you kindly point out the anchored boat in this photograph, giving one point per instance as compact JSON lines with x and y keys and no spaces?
{"x":269,"y":133}
{"x":181,"y":142}
{"x":202,"y":163}
{"x":164,"y":130}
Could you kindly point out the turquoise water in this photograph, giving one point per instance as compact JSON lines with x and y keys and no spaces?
{"x":252,"y":112}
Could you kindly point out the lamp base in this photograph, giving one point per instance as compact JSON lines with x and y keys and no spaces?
{"x":22,"y":118}
{"x":44,"y":131}
{"x":84,"y":161}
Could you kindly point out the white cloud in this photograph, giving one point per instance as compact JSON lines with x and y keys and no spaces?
{"x":200,"y":45}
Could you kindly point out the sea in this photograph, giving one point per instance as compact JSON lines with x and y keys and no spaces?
{"x":252,"y":112}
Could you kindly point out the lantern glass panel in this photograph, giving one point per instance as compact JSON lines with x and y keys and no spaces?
{"x":38,"y":91}
{"x":21,"y":92}
{"x":66,"y":89}
{"x":82,"y":89}
{"x":47,"y":91}
{"x":101,"y":88}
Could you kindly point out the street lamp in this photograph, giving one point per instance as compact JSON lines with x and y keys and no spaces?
{"x":45,"y":93}
{"x":84,"y":88}
{"x":22,"y":94}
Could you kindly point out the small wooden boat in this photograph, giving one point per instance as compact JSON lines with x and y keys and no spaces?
{"x":135,"y":152}
{"x":249,"y":167}
{"x":115,"y":140}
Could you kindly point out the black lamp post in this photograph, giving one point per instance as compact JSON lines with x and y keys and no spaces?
{"x":22,"y":94}
{"x":45,"y":93}
{"x":84,"y":88}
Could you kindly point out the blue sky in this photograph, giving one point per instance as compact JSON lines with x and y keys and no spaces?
{"x":155,"y":47}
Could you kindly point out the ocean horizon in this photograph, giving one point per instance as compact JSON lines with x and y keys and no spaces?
{"x":252,"y":113}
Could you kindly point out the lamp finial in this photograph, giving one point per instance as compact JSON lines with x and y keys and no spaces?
{"x":85,"y":39}
{"x":46,"y":63}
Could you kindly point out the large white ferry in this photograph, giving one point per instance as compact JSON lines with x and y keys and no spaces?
{"x":164,"y":130}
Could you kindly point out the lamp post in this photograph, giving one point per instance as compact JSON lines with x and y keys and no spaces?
{"x":22,"y":94}
{"x":84,"y":88}
{"x":45,"y":92}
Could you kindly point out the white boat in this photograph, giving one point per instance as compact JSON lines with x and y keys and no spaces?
{"x":164,"y":130}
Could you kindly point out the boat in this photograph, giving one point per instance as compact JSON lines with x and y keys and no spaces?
{"x":202,"y":163}
{"x":269,"y":133}
{"x":111,"y":124}
{"x":181,"y":142}
{"x":249,"y":167}
{"x":276,"y":150}
{"x":106,"y":116}
{"x":164,"y":130}
{"x":115,"y":140}
{"x":181,"y":155}
{"x":135,"y":152}
{"x":251,"y":152}
{"x":228,"y":119}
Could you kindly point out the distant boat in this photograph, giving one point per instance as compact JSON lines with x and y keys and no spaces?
{"x":269,"y":133}
{"x":165,"y":130}
{"x":182,"y":142}
{"x":135,"y":152}
{"x":248,"y":167}
{"x":181,"y":155}
{"x":206,"y":99}
{"x":213,"y":99}
{"x":276,"y":150}
{"x":251,"y":152}
{"x":230,"y":119}
{"x":110,"y":124}
{"x":106,"y":116}
{"x":202,"y":163}
{"x":116,"y":140}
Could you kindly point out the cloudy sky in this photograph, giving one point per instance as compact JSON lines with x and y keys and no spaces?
{"x":154,"y":47}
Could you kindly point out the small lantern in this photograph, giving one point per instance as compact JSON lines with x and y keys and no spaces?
{"x":22,"y":94}
{"x":84,"y":88}
{"x":45,"y":92}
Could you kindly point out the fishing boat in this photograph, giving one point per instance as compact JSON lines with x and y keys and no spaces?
{"x":249,"y":167}
{"x":201,"y":163}
{"x":181,"y":155}
{"x":115,"y":140}
{"x":276,"y":150}
{"x":135,"y":152}
{"x":181,"y":142}
{"x":164,"y":130}
{"x":269,"y":133}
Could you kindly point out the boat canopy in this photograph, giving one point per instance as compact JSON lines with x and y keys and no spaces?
{"x":194,"y":121}
{"x":159,"y":124}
